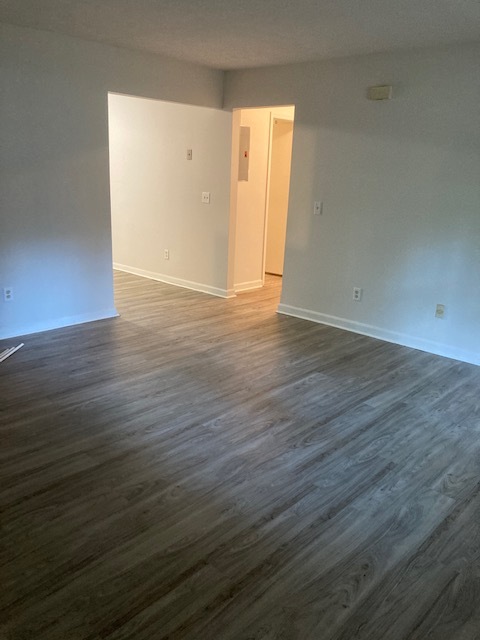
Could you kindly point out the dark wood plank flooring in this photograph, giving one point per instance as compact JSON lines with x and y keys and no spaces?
{"x":203,"y":468}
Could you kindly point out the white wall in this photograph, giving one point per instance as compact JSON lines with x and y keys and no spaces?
{"x":401,"y":191}
{"x":156,"y":191}
{"x":55,"y":242}
{"x":281,"y":140}
{"x":251,"y":198}
{"x":399,"y":181}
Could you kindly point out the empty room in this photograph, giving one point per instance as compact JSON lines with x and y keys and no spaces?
{"x":205,"y":435}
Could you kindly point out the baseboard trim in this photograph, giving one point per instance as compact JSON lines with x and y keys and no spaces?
{"x":386,"y":335}
{"x":178,"y":282}
{"x":248,"y":286}
{"x":59,"y":323}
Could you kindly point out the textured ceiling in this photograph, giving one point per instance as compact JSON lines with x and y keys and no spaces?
{"x":230,"y":34}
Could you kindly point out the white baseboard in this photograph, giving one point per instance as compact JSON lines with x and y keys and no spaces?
{"x":59,"y":323}
{"x":382,"y":334}
{"x":248,"y":286}
{"x":178,"y":282}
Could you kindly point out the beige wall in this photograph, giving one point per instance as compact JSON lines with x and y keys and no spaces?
{"x":156,"y":191}
{"x":251,"y":198}
{"x":281,"y":138}
{"x":250,"y":212}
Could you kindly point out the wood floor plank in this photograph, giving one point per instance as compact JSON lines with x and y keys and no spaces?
{"x":201,"y":468}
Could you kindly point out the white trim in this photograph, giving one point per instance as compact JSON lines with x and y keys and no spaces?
{"x":248,"y":286}
{"x":274,"y":117}
{"x":178,"y":282}
{"x":395,"y":337}
{"x":267,"y":193}
{"x":9,"y":352}
{"x":58,"y":323}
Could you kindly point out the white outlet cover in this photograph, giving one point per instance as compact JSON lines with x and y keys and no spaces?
{"x":206,"y":197}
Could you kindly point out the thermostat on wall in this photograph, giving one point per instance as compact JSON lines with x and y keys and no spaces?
{"x":380,"y":92}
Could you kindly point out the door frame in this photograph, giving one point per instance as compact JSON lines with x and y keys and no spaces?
{"x":273,"y":117}
{"x":275,"y":113}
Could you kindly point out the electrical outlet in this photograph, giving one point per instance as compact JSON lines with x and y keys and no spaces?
{"x":317,"y":208}
{"x":440,"y":311}
{"x":357,"y":294}
{"x":206,"y":197}
{"x":8,"y":294}
{"x":189,"y":154}
{"x":166,"y":254}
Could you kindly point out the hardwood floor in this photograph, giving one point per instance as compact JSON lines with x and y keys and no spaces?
{"x":203,"y":468}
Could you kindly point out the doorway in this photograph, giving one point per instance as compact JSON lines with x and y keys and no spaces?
{"x":261,"y":162}
{"x":278,"y":187}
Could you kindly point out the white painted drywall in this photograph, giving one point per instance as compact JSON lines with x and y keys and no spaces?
{"x":400,"y":185}
{"x":156,"y":191}
{"x":281,"y":138}
{"x":251,"y":197}
{"x":55,"y":241}
{"x":286,"y":112}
